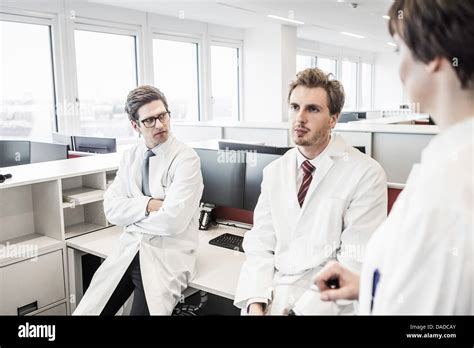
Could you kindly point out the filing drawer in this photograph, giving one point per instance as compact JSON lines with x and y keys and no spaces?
{"x":56,"y":310}
{"x":31,"y":285}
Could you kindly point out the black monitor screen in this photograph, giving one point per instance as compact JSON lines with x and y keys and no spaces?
{"x":14,"y":152}
{"x":95,"y":145}
{"x":223,"y":174}
{"x":43,"y":152}
{"x":227,"y":145}
{"x":254,"y":175}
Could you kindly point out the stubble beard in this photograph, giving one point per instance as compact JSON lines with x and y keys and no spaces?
{"x":317,"y":139}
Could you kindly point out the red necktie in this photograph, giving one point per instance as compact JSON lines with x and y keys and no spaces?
{"x":307,"y":177}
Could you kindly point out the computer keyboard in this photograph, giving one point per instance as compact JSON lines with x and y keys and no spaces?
{"x":229,"y":241}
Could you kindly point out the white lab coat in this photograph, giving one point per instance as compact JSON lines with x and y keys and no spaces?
{"x":345,"y":203}
{"x":166,"y":239}
{"x":423,"y":251}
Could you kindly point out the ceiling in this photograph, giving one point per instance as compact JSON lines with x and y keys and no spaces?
{"x":324,"y":19}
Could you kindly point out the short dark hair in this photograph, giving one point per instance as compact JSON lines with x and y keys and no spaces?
{"x":437,"y":28}
{"x":140,"y":96}
{"x":315,"y":77}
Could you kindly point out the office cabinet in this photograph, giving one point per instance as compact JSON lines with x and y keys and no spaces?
{"x":82,"y":204}
{"x":30,"y":211}
{"x":40,"y":207}
{"x":32,"y":284}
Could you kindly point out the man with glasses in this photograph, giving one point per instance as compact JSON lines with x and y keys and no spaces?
{"x":155,"y":196}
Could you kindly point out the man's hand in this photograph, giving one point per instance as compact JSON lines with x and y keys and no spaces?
{"x":256,"y":309}
{"x":348,"y":282}
{"x":154,"y":205}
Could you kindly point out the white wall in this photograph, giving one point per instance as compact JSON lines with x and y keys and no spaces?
{"x":269,"y":64}
{"x":288,"y":53}
{"x":389,"y":93}
{"x":261,"y":86}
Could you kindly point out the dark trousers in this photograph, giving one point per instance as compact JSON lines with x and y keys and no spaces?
{"x":130,"y":282}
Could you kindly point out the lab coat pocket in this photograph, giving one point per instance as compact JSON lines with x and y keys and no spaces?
{"x":328,"y":222}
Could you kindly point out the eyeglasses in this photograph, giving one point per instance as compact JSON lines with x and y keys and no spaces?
{"x":151,"y":121}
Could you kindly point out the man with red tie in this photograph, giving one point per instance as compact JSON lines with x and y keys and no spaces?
{"x":319,"y":202}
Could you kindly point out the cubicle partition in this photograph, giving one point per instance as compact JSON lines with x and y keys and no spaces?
{"x":44,"y":152}
{"x":18,"y":152}
{"x":397,"y":152}
{"x":269,"y":134}
{"x":395,"y":147}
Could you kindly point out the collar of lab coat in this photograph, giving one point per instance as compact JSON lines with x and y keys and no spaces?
{"x":300,"y":158}
{"x":160,"y":148}
{"x":449,"y":141}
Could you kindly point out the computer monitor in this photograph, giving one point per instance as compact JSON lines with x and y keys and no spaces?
{"x":255,"y":162}
{"x":14,"y":152}
{"x":43,"y":152}
{"x":59,"y":138}
{"x":223,"y":175}
{"x":94,"y":144}
{"x":345,"y":117}
{"x":275,"y":150}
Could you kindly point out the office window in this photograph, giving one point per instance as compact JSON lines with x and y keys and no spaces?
{"x":106,"y":72}
{"x":304,"y":62}
{"x":225,"y":82}
{"x":366,"y":86}
{"x":27,"y":85}
{"x":349,"y":81}
{"x":328,"y":65}
{"x":176,"y":74}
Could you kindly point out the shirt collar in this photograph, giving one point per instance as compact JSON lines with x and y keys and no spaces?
{"x":300,"y":158}
{"x":158,"y":147}
{"x":154,"y":150}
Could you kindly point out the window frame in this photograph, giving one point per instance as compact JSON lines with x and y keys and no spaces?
{"x":52,"y":21}
{"x":358,"y":79}
{"x":339,"y":61}
{"x":372,"y":81}
{"x":313,"y":59}
{"x":331,"y":58}
{"x":105,"y":27}
{"x":189,"y":38}
{"x":238,"y":44}
{"x":317,"y":54}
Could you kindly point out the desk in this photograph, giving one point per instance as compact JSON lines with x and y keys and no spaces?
{"x":217,"y":268}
